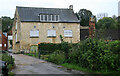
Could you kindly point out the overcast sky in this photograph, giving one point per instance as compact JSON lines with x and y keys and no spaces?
{"x":7,"y":7}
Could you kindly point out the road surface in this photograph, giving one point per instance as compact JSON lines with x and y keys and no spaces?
{"x":30,"y":65}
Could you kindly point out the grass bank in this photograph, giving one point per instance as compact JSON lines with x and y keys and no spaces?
{"x":88,"y":71}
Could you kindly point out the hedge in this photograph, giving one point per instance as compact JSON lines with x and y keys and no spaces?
{"x":48,"y":48}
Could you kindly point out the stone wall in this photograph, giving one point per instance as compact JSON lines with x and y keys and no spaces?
{"x":43,"y":31}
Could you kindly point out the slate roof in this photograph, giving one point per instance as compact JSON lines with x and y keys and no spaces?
{"x":31,"y":13}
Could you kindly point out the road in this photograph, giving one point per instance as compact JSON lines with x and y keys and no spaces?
{"x":30,"y":65}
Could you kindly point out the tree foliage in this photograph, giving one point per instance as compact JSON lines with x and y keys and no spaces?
{"x":84,"y":16}
{"x":7,"y":23}
{"x":106,"y":23}
{"x":118,"y":22}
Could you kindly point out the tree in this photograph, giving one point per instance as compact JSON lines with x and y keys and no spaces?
{"x":84,"y":16}
{"x":114,"y":17}
{"x":119,"y":22}
{"x":7,"y":23}
{"x":101,"y":15}
{"x":106,"y":23}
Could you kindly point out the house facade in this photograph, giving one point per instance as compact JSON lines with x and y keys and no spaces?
{"x":34,"y":25}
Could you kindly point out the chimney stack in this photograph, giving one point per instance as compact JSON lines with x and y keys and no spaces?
{"x":71,"y":7}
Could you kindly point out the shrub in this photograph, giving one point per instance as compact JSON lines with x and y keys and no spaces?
{"x":57,"y":57}
{"x":8,"y":59}
{"x":47,"y":48}
{"x":93,"y":54}
{"x":10,"y":67}
{"x":96,"y":54}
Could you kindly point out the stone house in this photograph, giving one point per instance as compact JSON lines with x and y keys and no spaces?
{"x":33,"y":25}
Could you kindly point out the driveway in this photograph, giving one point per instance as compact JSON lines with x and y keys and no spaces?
{"x":30,"y":65}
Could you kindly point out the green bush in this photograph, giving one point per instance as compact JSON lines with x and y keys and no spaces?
{"x":47,"y":48}
{"x":10,"y":67}
{"x":11,"y":74}
{"x":96,"y":54}
{"x":57,"y":57}
{"x":8,"y":59}
{"x":93,"y":54}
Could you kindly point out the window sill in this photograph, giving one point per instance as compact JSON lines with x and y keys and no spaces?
{"x":68,"y":37}
{"x":51,"y":37}
{"x":34,"y":37}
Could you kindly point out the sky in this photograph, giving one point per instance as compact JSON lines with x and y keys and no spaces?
{"x":7,"y":7}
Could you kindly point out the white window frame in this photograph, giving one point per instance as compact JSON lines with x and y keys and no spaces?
{"x":43,"y":17}
{"x":0,"y":45}
{"x":34,"y":33}
{"x":4,"y":45}
{"x":47,"y":18}
{"x":16,"y":25}
{"x":58,"y":17}
{"x":52,"y":16}
{"x":51,"y":33}
{"x":68,"y":33}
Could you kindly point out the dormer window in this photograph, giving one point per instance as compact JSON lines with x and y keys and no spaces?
{"x":49,"y":17}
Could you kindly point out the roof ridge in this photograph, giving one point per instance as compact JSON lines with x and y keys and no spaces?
{"x":42,"y":8}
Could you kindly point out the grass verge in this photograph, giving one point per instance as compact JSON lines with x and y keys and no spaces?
{"x":88,"y":71}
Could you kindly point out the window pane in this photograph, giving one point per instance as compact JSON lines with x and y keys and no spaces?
{"x":49,"y":17}
{"x":0,"y":45}
{"x":56,"y":17}
{"x":51,"y":33}
{"x":67,"y":33}
{"x":16,"y":24}
{"x":45,"y":17}
{"x":4,"y":45}
{"x":53,"y":18}
{"x":34,"y":33}
{"x":41,"y":17}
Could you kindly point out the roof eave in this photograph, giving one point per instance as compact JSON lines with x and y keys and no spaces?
{"x":54,"y":21}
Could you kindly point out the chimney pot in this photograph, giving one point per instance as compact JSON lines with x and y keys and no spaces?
{"x":71,"y":7}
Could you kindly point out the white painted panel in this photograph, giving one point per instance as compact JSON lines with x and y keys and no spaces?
{"x":16,"y":24}
{"x":34,"y":33}
{"x":10,"y":37}
{"x":52,"y":33}
{"x":5,"y":34}
{"x":0,"y":45}
{"x":4,"y":45}
{"x":16,"y":37}
{"x":67,"y":33}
